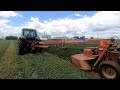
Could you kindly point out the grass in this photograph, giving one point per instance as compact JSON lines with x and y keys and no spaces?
{"x":7,"y":64}
{"x":52,"y":63}
{"x":3,"y":46}
{"x":47,"y":66}
{"x":65,"y":54}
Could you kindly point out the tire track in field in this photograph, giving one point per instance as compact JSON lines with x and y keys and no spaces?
{"x":7,"y":66}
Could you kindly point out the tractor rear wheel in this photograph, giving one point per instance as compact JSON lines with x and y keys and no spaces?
{"x":40,"y":50}
{"x":109,"y":70}
{"x":20,"y":47}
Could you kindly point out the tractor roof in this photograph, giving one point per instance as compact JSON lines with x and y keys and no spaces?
{"x":28,"y":29}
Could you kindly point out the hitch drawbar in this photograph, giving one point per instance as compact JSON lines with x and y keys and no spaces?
{"x":39,"y":46}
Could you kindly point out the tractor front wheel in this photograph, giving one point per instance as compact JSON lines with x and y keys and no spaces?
{"x":109,"y":70}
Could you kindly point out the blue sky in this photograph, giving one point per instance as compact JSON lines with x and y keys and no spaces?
{"x":99,"y":24}
{"x":47,"y":15}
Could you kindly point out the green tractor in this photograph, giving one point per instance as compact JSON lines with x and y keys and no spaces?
{"x":27,"y":39}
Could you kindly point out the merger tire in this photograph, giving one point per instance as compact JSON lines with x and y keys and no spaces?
{"x":109,"y":70}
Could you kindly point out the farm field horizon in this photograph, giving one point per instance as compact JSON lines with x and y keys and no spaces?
{"x":52,"y":63}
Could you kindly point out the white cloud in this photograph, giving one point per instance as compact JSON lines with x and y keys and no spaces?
{"x":64,"y":26}
{"x":4,"y":21}
{"x":79,"y":15}
{"x":7,"y":14}
{"x":6,"y":29}
{"x":103,"y":24}
{"x":76,"y":14}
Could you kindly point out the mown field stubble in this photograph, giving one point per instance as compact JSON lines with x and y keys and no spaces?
{"x":52,"y":63}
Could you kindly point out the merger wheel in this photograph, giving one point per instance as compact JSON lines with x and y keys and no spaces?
{"x":109,"y":70}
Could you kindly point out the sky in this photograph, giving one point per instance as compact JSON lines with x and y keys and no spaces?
{"x":98,"y":24}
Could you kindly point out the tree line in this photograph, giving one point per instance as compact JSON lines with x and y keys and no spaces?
{"x":11,"y":37}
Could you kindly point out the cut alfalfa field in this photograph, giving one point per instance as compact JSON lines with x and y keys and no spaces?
{"x":52,"y":63}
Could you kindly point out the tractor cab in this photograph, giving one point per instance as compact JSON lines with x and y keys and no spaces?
{"x":29,"y":34}
{"x":28,"y":41}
